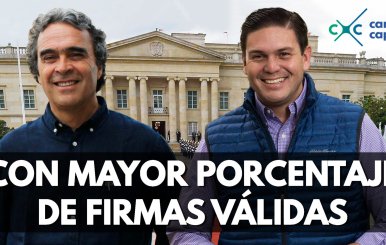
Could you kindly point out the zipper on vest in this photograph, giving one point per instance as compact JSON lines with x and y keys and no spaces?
{"x":307,"y":107}
{"x":252,"y":109}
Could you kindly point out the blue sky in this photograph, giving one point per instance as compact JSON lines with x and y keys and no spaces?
{"x":220,"y":20}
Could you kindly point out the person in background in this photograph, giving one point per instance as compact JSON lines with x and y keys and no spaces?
{"x":178,"y":134}
{"x":198,"y":136}
{"x":194,"y":136}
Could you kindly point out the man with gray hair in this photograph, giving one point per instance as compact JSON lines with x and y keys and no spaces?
{"x":67,"y":57}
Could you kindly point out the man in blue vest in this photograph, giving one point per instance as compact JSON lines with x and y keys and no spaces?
{"x":283,"y":113}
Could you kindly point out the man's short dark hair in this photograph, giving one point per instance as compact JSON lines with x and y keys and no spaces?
{"x":267,"y":17}
{"x":76,"y":19}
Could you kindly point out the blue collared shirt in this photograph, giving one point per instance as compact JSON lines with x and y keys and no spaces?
{"x":106,"y":131}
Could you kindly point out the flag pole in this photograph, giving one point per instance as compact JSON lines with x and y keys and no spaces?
{"x":20,"y":85}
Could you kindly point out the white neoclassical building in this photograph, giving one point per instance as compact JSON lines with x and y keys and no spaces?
{"x":180,"y":82}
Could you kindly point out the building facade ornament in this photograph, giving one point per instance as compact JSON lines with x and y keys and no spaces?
{"x":156,"y":49}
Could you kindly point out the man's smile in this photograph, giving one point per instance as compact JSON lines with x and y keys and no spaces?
{"x":273,"y":81}
{"x":65,"y":83}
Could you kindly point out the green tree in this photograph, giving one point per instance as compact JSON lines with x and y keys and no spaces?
{"x":375,"y":108}
{"x":4,"y":129}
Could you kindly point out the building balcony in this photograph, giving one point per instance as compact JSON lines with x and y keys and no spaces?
{"x":11,"y":52}
{"x":157,"y":111}
{"x":342,"y":60}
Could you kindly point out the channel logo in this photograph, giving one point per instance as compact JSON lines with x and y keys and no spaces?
{"x":352,"y":29}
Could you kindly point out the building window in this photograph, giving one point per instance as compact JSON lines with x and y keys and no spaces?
{"x":122,"y":98}
{"x":157,"y":99}
{"x":346,"y":97}
{"x":2,"y":99}
{"x":224,"y":100}
{"x":29,"y":99}
{"x":192,"y":127}
{"x":192,"y":99}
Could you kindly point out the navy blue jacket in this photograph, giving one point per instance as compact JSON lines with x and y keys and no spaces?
{"x":106,"y":132}
{"x":326,"y":124}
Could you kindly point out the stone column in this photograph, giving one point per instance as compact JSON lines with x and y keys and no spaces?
{"x":214,"y":98}
{"x":204,"y":105}
{"x":132,"y":97}
{"x":172,"y":109}
{"x":182,"y":106}
{"x":109,"y":95}
{"x":143,"y":99}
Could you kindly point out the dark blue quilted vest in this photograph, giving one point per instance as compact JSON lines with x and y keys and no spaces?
{"x":326,"y":124}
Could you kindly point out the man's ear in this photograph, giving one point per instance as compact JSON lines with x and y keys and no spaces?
{"x":244,"y":65}
{"x":307,"y":58}
{"x":99,"y":73}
